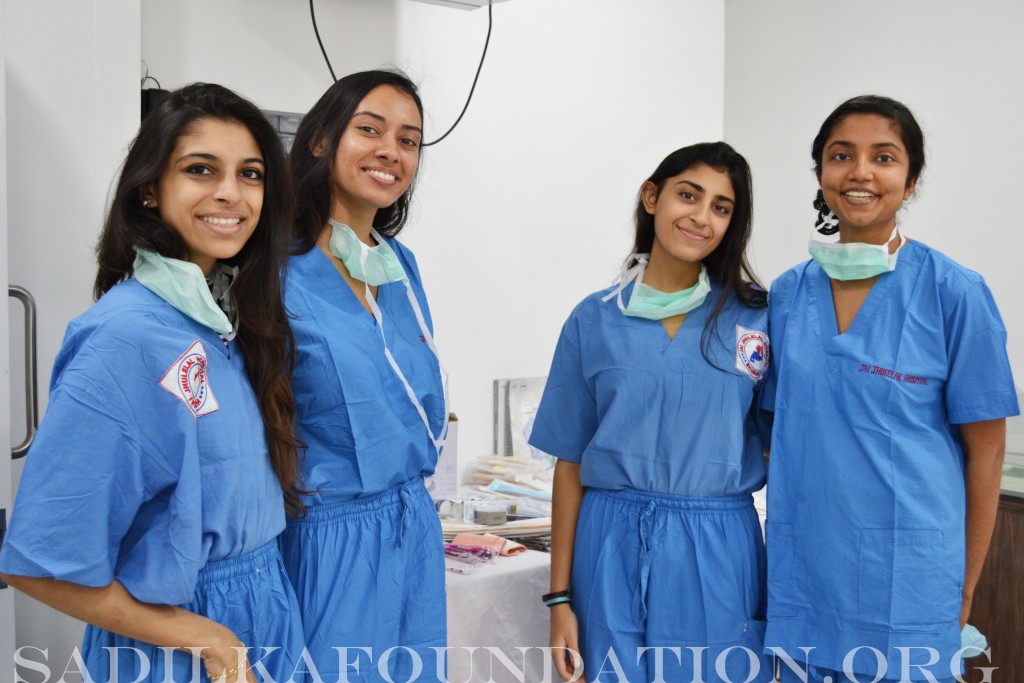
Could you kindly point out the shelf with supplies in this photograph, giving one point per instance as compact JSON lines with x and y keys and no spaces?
{"x":503,"y":496}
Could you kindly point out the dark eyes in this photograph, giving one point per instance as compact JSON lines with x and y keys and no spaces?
{"x":721,"y":209}
{"x":883,"y":158}
{"x":405,"y":142}
{"x":254,"y":174}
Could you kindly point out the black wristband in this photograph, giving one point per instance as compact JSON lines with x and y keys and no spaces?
{"x":557,"y":594}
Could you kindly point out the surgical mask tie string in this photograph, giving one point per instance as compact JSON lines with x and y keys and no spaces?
{"x":626,"y":276}
{"x":652,"y":304}
{"x":439,"y":440}
{"x":829,"y":224}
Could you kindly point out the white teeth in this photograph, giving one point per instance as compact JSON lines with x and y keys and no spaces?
{"x":220,"y":221}
{"x":859,"y":195}
{"x":381,"y":174}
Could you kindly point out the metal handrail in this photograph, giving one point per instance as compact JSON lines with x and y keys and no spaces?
{"x":31,"y":377}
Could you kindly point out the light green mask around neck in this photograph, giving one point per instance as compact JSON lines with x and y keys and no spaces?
{"x":183,"y":285}
{"x":652,"y":304}
{"x":373,"y":265}
{"x":855,"y":260}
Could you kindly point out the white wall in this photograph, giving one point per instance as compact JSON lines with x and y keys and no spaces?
{"x":959,"y":67}
{"x":526,"y":207}
{"x":265,"y":49}
{"x":72,"y":105}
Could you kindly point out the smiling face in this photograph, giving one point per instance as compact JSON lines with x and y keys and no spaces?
{"x":691,"y":213}
{"x":377,"y":157}
{"x":864,"y":177}
{"x":211,"y":190}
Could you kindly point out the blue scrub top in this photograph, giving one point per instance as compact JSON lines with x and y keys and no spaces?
{"x":362,"y":431}
{"x":151,"y":459}
{"x":640,"y":411}
{"x":866,"y":496}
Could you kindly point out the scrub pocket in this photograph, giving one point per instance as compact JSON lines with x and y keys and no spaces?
{"x":906,"y":579}
{"x":782,"y":583}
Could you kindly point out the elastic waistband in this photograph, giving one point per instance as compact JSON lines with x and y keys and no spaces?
{"x":388,"y":498}
{"x":256,"y":561}
{"x":671,"y":502}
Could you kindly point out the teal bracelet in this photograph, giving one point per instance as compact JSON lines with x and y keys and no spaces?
{"x":558,"y":600}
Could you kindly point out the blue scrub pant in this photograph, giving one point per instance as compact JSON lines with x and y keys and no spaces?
{"x":684,"y":575}
{"x":250,"y":594}
{"x":369,"y":574}
{"x":817,"y":674}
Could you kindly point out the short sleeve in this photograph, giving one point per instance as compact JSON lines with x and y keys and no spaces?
{"x":567,"y":416}
{"x":778,"y":309}
{"x":980,"y":383}
{"x":111,"y":487}
{"x":80,"y":491}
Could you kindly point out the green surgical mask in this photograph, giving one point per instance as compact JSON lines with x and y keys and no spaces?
{"x":183,"y":285}
{"x":652,"y":304}
{"x":855,"y":260}
{"x":373,"y":265}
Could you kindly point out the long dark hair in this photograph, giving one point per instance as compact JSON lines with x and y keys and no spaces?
{"x":263,"y":330}
{"x":727,"y":264}
{"x":902,"y":121}
{"x":321,"y":130}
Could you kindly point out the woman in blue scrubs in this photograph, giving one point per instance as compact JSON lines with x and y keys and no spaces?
{"x":367,"y":559}
{"x":890,"y":390}
{"x":657,"y":562}
{"x":151,"y":499}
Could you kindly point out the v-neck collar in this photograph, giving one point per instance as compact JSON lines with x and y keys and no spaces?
{"x":656,"y":330}
{"x":332,"y":287}
{"x":827,"y":309}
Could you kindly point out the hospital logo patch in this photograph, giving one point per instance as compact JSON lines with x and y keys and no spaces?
{"x":751,"y":352}
{"x":187,"y":379}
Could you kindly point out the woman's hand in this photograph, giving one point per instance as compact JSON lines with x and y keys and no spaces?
{"x":965,"y":610}
{"x":114,"y":609}
{"x":984,"y":446}
{"x":565,"y":646}
{"x":228,"y":662}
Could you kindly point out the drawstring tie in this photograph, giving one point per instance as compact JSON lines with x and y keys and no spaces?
{"x":646,"y":531}
{"x":406,"y":495}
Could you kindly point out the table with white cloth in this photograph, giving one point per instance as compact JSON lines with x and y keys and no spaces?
{"x":497,"y":625}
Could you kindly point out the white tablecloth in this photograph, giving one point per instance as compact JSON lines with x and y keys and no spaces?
{"x":497,"y":609}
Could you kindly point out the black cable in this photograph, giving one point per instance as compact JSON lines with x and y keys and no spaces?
{"x":312,"y":15}
{"x":490,"y":22}
{"x":147,"y":77}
